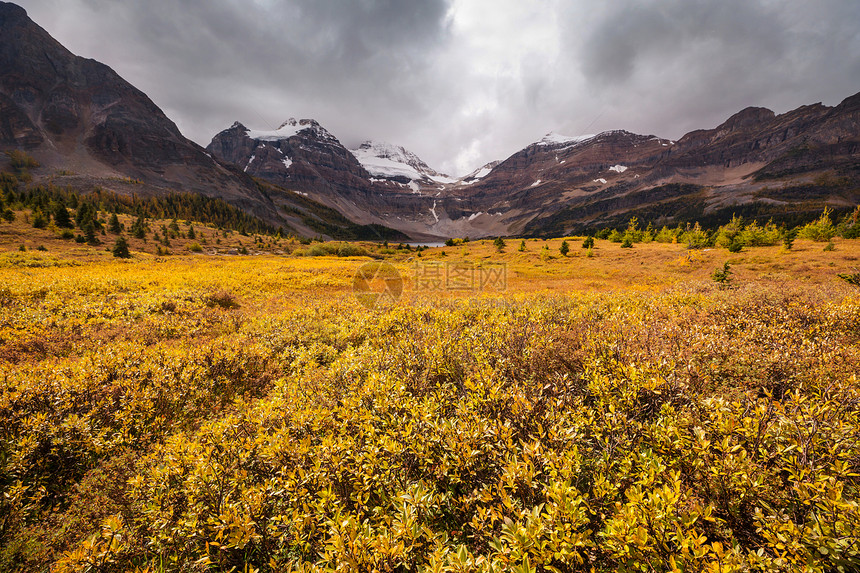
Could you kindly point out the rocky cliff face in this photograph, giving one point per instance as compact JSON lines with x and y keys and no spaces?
{"x":88,"y":126}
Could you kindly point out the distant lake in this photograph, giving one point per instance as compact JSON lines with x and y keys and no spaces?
{"x":426,"y":244}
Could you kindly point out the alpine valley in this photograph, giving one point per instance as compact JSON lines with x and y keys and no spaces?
{"x":88,"y":128}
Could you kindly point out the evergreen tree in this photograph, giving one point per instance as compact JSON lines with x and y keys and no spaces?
{"x":139,"y":228}
{"x":564,"y":249}
{"x":82,"y":215}
{"x":114,"y":226}
{"x":90,"y":233}
{"x":522,"y":246}
{"x":788,"y":239}
{"x":499,"y":243}
{"x":191,"y":233}
{"x":62,"y":217}
{"x":40,"y":221}
{"x":120,"y":249}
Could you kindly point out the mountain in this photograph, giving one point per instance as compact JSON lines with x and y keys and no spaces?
{"x":377,"y":184}
{"x":300,"y":155}
{"x":88,"y":127}
{"x":554,"y":172}
{"x":756,"y":163}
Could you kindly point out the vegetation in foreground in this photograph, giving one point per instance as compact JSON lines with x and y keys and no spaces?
{"x":197,"y":413}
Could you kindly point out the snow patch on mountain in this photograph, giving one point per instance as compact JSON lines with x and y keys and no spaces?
{"x":479,"y":173}
{"x":482,"y":172}
{"x":618,"y":168}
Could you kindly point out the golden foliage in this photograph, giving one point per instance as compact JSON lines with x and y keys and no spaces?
{"x":149,"y":423}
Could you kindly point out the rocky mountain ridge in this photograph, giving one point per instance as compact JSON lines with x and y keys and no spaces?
{"x":560,"y":184}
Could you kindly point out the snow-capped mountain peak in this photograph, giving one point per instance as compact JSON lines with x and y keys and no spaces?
{"x":291,"y":128}
{"x":387,"y":161}
{"x":557,"y":140}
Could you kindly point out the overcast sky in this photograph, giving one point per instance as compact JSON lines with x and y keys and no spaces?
{"x":464,"y":82}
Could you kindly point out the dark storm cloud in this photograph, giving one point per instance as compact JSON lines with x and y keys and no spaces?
{"x":214,"y":61}
{"x":463,"y":82}
{"x":683,"y":64}
{"x":636,"y":33}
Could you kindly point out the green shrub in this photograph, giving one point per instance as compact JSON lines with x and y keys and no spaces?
{"x":695,"y":237}
{"x":820,"y":230}
{"x":332,"y":249}
{"x":850,"y":278}
{"x":755,"y":235}
{"x":666,"y":235}
{"x":849,"y":227}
